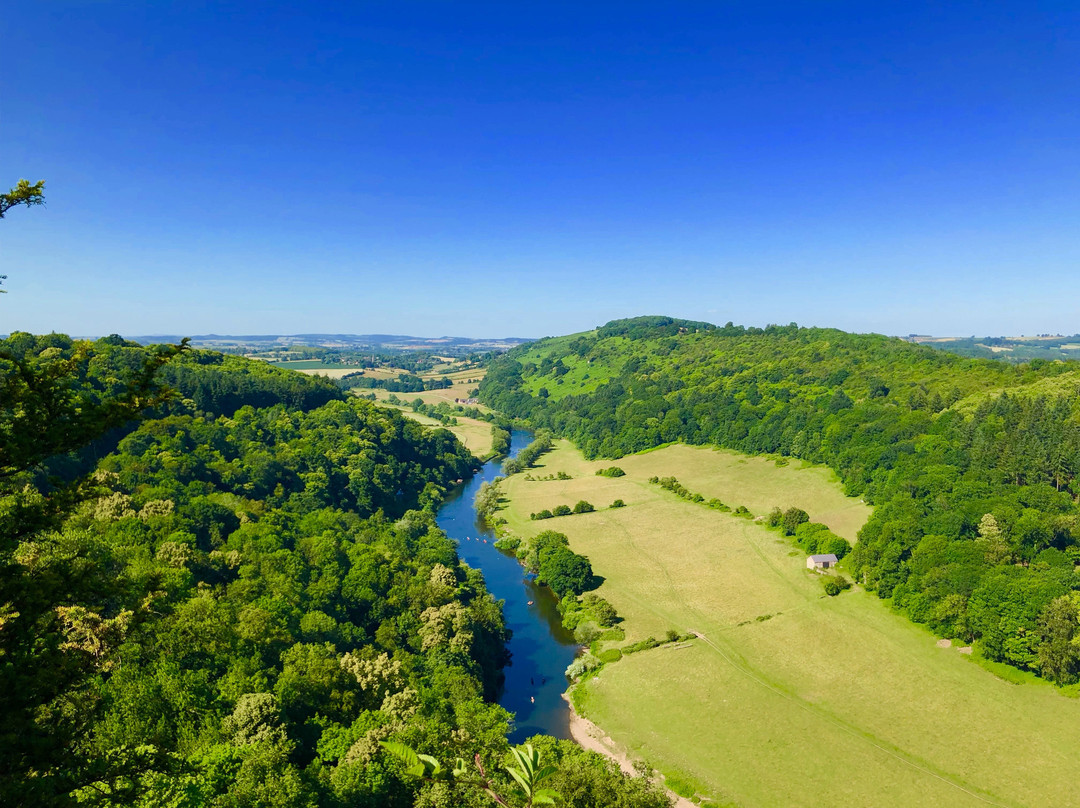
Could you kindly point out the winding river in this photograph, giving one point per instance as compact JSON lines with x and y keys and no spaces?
{"x":540,"y":647}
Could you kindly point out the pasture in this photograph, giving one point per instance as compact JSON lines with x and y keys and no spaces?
{"x":791,"y":698}
{"x":464,"y":381}
{"x":476,"y":435}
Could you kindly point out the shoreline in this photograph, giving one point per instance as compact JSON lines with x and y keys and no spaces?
{"x":589,"y":736}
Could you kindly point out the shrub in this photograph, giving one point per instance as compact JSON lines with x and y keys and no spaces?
{"x":610,"y":655}
{"x":544,"y":514}
{"x":618,"y":504}
{"x":582,"y":665}
{"x":835,"y":584}
{"x":586,"y":632}
{"x":562,"y":510}
{"x":776,"y":516}
{"x":508,"y":543}
{"x":611,"y":471}
{"x":583,"y":507}
{"x":672,"y":635}
{"x":643,"y":645}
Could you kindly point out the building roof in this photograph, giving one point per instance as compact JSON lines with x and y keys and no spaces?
{"x":830,"y":557}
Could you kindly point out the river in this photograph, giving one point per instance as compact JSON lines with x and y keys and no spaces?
{"x":540,"y":647}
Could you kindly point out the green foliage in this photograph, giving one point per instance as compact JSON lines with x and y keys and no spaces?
{"x":792,"y":518}
{"x":581,"y":506}
{"x":528,"y":456}
{"x":24,"y":193}
{"x":642,"y":645}
{"x":526,"y":787}
{"x":566,"y":572}
{"x":500,"y":440}
{"x":243,"y":606}
{"x":487,"y":499}
{"x":835,"y":584}
{"x":611,"y":471}
{"x":618,"y":504}
{"x":217,"y":384}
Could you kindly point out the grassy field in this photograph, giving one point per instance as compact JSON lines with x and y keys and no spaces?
{"x":791,"y":698}
{"x":316,"y":367}
{"x":476,"y":435}
{"x":464,"y":382}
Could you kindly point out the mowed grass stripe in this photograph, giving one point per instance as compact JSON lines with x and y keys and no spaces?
{"x":883,"y":713}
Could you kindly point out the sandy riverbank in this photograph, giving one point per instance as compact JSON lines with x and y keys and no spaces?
{"x":589,"y":736}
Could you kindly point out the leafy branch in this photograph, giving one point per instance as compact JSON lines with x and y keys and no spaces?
{"x":526,"y":771}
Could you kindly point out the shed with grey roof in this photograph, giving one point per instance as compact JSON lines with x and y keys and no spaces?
{"x":821,"y":562}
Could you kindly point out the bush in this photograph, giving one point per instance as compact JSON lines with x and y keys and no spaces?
{"x":618,"y":504}
{"x":544,"y":514}
{"x":835,"y":584}
{"x":562,"y":510}
{"x":672,"y":635}
{"x":612,"y":471}
{"x":583,"y":507}
{"x":643,"y":645}
{"x":610,"y":655}
{"x":582,"y":665}
{"x":776,"y":516}
{"x":586,"y":631}
{"x":508,"y":543}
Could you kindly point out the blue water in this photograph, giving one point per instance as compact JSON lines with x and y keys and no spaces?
{"x":540,"y":647}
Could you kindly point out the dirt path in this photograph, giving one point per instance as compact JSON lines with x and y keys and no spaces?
{"x":589,"y":736}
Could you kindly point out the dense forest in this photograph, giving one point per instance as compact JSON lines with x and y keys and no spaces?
{"x":971,"y":464}
{"x":223,"y":585}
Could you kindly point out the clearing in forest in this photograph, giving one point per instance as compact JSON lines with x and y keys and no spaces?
{"x":791,"y":698}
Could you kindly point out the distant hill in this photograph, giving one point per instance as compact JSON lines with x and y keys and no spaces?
{"x":1009,"y":349}
{"x":393,"y":342}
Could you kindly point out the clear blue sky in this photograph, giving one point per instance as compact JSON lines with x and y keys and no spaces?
{"x":513,"y":169}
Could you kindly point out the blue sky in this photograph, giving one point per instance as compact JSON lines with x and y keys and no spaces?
{"x":507,"y":169}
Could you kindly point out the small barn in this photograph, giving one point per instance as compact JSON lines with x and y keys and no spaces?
{"x":821,"y":562}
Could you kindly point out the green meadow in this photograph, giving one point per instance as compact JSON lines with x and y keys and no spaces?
{"x":791,"y":697}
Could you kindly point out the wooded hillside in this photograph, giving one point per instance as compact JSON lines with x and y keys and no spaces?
{"x":971,"y":464}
